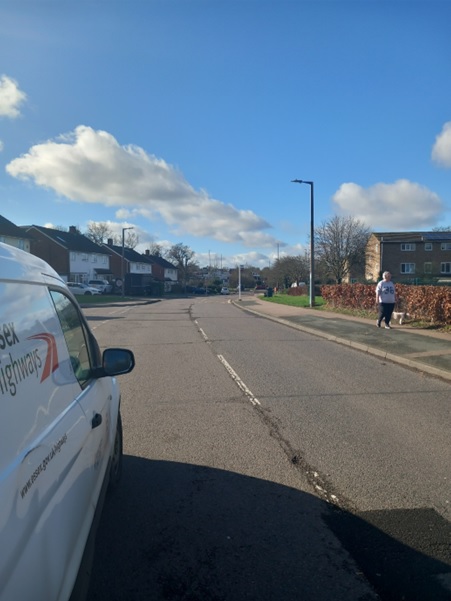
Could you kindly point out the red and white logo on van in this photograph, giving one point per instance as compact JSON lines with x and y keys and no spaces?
{"x":51,"y":359}
{"x":16,"y":368}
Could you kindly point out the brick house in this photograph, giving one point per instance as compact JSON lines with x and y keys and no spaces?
{"x":74,"y":256}
{"x":162,"y":270}
{"x":14,"y":235}
{"x":132,"y":272}
{"x":133,"y":261}
{"x":411,"y":257}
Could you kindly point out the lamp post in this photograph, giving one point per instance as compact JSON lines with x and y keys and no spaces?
{"x":312,"y":240}
{"x":122,"y":262}
{"x":239,"y":281}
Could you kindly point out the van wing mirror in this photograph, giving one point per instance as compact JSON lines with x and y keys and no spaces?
{"x":117,"y":361}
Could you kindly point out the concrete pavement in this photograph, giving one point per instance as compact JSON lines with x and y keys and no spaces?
{"x":429,"y":352}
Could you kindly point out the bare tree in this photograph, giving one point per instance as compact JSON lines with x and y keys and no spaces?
{"x":182,"y":256}
{"x":247,"y":276}
{"x":340,"y":246}
{"x":131,"y":239}
{"x":287,"y":270}
{"x":156,"y":250}
{"x":99,"y":232}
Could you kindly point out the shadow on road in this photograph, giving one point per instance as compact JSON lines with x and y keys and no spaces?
{"x":187,"y":532}
{"x":384,"y":543}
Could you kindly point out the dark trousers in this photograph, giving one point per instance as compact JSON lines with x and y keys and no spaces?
{"x":385,"y":311}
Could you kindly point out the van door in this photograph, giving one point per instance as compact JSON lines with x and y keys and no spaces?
{"x":98,"y":398}
{"x":42,"y":432}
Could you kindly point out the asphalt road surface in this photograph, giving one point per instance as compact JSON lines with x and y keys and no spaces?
{"x":263,"y":463}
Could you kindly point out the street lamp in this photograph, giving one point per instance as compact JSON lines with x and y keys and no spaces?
{"x":312,"y":240}
{"x":240,"y":267}
{"x":122,"y":262}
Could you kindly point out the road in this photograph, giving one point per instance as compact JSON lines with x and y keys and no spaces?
{"x":264,"y":463}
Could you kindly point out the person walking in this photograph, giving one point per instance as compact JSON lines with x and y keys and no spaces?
{"x":385,"y":299}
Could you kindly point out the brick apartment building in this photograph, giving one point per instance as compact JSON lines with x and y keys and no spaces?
{"x":411,"y":257}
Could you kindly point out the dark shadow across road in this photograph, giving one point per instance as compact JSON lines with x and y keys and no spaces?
{"x":183,"y":532}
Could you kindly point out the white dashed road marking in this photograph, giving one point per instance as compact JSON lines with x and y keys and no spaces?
{"x":239,"y":381}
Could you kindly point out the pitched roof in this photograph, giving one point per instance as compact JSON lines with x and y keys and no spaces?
{"x":8,"y":228}
{"x":159,"y":261}
{"x":72,"y":241}
{"x":129,"y":254}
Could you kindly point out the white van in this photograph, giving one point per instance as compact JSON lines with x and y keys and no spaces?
{"x":60,"y":431}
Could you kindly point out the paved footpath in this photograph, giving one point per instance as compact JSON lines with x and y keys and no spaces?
{"x":427,"y":351}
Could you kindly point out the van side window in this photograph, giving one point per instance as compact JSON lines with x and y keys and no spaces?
{"x":76,"y":337}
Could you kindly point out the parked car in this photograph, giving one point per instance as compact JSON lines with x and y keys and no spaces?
{"x":225,"y":290}
{"x":103,"y":285}
{"x":61,"y":441}
{"x":77,"y":288}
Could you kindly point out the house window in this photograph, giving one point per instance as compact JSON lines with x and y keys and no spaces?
{"x":408,"y":246}
{"x":84,"y":257}
{"x":93,"y":258}
{"x":407,"y":267}
{"x":446,"y":246}
{"x":428,"y":246}
{"x":445,"y":267}
{"x":428,"y":268}
{"x":73,"y":256}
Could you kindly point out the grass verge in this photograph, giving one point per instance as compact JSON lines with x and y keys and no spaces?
{"x":293,"y":301}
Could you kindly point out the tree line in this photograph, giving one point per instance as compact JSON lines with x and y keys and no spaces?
{"x":340,"y":251}
{"x":340,"y":245}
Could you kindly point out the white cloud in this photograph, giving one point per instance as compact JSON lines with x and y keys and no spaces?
{"x":441,"y":151}
{"x":90,"y":166}
{"x":116,"y":229}
{"x":251,"y":259}
{"x":402,"y":205}
{"x":10,"y":97}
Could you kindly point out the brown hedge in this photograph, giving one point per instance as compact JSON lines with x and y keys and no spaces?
{"x":425,"y":303}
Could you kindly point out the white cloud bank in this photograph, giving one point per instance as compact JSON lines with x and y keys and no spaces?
{"x":402,"y":205}
{"x":11,"y":97}
{"x":441,"y":151}
{"x":90,"y":166}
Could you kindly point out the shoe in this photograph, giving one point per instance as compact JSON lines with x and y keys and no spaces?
{"x":387,"y":327}
{"x":378,"y":324}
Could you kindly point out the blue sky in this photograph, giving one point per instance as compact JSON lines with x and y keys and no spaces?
{"x":188,"y":119}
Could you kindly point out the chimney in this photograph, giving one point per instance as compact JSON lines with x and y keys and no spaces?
{"x":110,"y":241}
{"x":147,"y":252}
{"x":73,"y":229}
